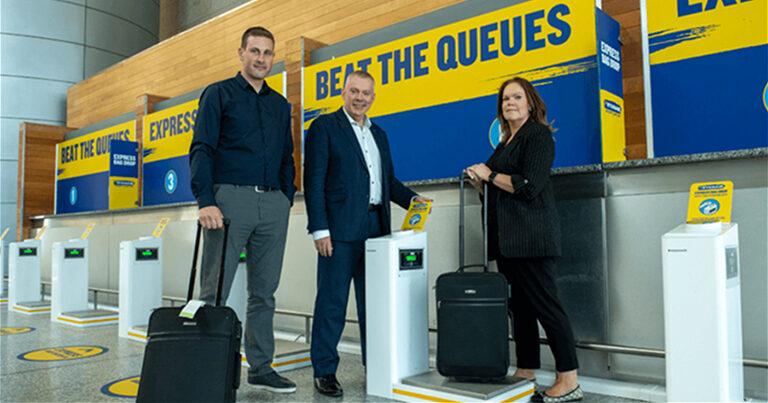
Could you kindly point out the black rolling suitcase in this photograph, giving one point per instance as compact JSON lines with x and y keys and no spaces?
{"x":472,"y":321}
{"x":193,"y":360}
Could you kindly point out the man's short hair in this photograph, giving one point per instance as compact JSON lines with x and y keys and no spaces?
{"x":362,"y":74}
{"x":256,"y":31}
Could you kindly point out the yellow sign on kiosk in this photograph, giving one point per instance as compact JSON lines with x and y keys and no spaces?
{"x":710,"y":202}
{"x":417,"y":215}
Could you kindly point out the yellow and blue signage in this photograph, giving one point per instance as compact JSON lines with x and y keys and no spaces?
{"x":126,"y":387}
{"x":709,"y":72}
{"x":123,"y":174}
{"x":710,"y":202}
{"x":416,"y":217}
{"x":611,"y":88}
{"x":62,"y":353}
{"x":5,"y":331}
{"x":440,"y":86}
{"x":166,"y":137}
{"x":83,"y":169}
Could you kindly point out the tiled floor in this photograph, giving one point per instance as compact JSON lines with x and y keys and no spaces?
{"x":81,"y":380}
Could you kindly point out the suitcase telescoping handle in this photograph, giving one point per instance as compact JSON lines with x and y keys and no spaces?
{"x":463,"y":178}
{"x":193,"y":273}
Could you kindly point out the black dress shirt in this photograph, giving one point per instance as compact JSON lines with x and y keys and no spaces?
{"x":241,"y":138}
{"x":524,"y":223}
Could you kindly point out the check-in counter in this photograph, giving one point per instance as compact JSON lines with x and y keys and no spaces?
{"x":610,"y":275}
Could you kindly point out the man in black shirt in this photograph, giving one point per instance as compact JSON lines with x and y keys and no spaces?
{"x":241,"y":159}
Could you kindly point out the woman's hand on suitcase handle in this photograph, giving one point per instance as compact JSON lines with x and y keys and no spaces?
{"x":211,"y":217}
{"x":324,"y":246}
{"x":474,"y":180}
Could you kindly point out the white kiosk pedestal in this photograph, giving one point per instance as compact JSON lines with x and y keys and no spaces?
{"x":141,"y":285}
{"x":396,"y":292}
{"x":288,"y":354}
{"x":69,"y":291}
{"x":24,"y":278}
{"x":4,"y":272}
{"x":702,"y":313}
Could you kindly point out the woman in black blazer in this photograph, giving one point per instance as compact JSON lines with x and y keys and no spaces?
{"x":524,"y":233}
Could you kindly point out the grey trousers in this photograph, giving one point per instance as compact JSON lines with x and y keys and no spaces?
{"x":259,"y":223}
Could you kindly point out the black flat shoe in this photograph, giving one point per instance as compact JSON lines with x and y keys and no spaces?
{"x":572,"y":396}
{"x":328,"y":385}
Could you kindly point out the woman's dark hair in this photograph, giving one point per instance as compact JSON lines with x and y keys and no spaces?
{"x":538,"y":110}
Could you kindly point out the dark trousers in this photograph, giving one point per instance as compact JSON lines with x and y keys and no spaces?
{"x":534,"y":297}
{"x":334,"y":274}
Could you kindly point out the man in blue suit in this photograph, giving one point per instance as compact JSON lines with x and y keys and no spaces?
{"x":349,"y":181}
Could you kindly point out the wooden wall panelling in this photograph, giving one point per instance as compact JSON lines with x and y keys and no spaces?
{"x":206,"y":53}
{"x":37,"y":173}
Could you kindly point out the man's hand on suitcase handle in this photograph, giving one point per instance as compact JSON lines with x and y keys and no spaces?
{"x":211,"y":217}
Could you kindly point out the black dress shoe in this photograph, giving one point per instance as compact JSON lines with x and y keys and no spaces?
{"x":329,"y":386}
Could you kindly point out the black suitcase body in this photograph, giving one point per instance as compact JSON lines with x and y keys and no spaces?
{"x":193,"y":360}
{"x":472,"y":318}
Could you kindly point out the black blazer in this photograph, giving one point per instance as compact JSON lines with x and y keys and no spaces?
{"x":526,"y":221}
{"x":336,"y":179}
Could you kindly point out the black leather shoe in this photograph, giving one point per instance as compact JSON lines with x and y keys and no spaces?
{"x":329,"y":386}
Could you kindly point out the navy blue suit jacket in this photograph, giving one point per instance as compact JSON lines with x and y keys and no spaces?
{"x":336,"y":179}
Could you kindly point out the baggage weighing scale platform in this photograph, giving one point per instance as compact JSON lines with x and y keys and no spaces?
{"x":396,"y":290}
{"x":289,"y":355}
{"x":69,"y":290}
{"x":32,"y":307}
{"x":88,"y":317}
{"x":432,"y":386}
{"x":24,"y":294}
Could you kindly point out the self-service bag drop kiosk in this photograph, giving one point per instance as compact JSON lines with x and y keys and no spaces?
{"x":397,"y":333}
{"x":24,"y":293}
{"x":4,"y":271}
{"x":702,"y":313}
{"x":69,"y":287}
{"x":141,"y":285}
{"x":289,"y":355}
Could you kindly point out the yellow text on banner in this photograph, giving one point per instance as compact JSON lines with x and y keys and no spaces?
{"x":691,"y":28}
{"x":89,"y":154}
{"x":168,"y":133}
{"x":463,"y":60}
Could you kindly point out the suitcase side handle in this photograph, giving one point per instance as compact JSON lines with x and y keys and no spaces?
{"x":193,"y":272}
{"x":462,"y":178}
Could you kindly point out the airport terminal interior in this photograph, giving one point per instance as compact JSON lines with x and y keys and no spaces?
{"x":125,"y":125}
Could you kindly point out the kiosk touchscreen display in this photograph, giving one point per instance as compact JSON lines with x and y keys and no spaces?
{"x":74,"y":253}
{"x":27,"y":251}
{"x":146,"y":253}
{"x":411,"y":259}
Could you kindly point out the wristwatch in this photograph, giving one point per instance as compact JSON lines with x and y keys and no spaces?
{"x":491,"y":176}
